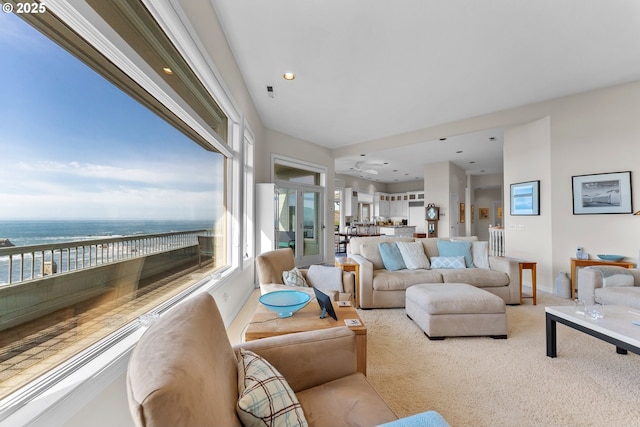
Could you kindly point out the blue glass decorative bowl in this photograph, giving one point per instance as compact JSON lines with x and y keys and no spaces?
{"x":613,"y":258}
{"x":285,"y":303}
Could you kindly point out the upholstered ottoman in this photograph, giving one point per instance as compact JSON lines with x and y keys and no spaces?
{"x":456,"y":310}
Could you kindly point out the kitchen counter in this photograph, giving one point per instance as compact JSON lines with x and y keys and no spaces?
{"x":398,"y":230}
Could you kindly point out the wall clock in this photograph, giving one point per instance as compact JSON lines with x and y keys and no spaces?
{"x":433,"y":212}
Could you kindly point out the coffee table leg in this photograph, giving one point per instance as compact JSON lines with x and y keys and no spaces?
{"x":551,"y":337}
{"x":621,"y":350}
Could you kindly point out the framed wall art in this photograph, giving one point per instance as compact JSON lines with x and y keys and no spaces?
{"x":462,"y":213}
{"x":604,"y":193}
{"x":525,"y":198}
{"x":483,"y":213}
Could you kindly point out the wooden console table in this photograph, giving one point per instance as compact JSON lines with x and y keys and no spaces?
{"x":575,"y":263}
{"x":526,"y":265}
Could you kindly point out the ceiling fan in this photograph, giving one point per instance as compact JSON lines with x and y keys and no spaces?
{"x":359,"y":167}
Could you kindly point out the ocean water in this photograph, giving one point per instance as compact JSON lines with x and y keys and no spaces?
{"x":38,"y":232}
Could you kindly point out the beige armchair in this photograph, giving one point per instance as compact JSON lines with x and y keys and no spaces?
{"x":272,"y":264}
{"x":184,"y":372}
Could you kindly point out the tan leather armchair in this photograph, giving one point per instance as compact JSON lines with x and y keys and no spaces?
{"x":183,"y":372}
{"x":272,"y":264}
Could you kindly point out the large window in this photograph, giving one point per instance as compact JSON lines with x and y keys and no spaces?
{"x":109,"y":193}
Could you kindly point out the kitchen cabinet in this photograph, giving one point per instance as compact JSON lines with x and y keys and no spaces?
{"x":381,"y":205}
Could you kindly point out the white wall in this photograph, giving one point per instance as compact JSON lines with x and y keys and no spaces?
{"x":436,"y":191}
{"x":527,"y":158}
{"x":484,"y":198}
{"x":594,"y":132}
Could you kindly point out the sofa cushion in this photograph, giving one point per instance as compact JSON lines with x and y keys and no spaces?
{"x":294,"y":277}
{"x":325,"y":278}
{"x":348,"y":401}
{"x":265,"y":396}
{"x":355,"y":243}
{"x":625,"y":295}
{"x":478,"y":277}
{"x":400,"y":280}
{"x":480,"y":253}
{"x":391,"y":256}
{"x":448,"y":262}
{"x":454,"y":248}
{"x":413,"y":255}
{"x":371,"y":252}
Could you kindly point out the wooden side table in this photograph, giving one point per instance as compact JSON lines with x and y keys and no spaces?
{"x":575,"y":263}
{"x":527,"y":265}
{"x":348,"y":264}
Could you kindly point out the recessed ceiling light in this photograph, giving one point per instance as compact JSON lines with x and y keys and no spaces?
{"x":289,"y":76}
{"x":471,"y":162}
{"x":362,"y":155}
{"x":443,"y":139}
{"x":459,"y":151}
{"x":493,"y":138}
{"x":168,"y":71}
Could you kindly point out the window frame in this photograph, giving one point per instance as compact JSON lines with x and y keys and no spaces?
{"x":79,"y":379}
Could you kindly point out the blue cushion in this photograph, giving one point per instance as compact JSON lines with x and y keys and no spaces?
{"x":452,"y":248}
{"x":391,"y":256}
{"x":425,"y":419}
{"x":447,"y":262}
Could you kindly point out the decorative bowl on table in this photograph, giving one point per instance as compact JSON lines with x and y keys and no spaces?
{"x":285,"y":303}
{"x":614,"y":258}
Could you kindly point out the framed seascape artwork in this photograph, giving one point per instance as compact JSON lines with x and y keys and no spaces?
{"x":525,"y":198}
{"x":604,"y":193}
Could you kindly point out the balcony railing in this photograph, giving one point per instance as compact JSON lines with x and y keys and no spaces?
{"x":24,"y":263}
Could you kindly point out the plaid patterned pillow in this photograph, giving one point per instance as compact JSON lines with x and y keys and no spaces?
{"x":294,"y":278}
{"x":266,"y":399}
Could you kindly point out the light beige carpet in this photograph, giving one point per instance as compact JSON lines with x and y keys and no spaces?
{"x":487,"y":382}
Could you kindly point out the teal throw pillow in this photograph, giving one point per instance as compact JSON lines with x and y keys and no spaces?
{"x":391,"y":256}
{"x":453,"y":248}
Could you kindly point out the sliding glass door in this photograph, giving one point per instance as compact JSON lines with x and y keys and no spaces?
{"x":299,"y":226}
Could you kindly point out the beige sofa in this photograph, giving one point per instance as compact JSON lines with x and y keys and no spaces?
{"x":379,"y":288}
{"x":590,"y":283}
{"x":184,"y":372}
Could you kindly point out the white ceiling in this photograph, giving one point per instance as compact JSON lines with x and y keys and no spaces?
{"x":368,"y":69}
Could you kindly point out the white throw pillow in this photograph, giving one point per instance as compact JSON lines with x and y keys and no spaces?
{"x":448,"y":262}
{"x":371,"y":252}
{"x":480,"y":252}
{"x":413,"y":255}
{"x":265,"y":397}
{"x":294,"y":277}
{"x":325,"y":278}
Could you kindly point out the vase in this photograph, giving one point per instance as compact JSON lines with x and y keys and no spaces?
{"x":563,"y":285}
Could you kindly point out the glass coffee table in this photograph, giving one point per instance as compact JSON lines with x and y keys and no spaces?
{"x":266,"y":323}
{"x":615,"y":327}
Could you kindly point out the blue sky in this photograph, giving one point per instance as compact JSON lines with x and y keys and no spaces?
{"x":74,"y":146}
